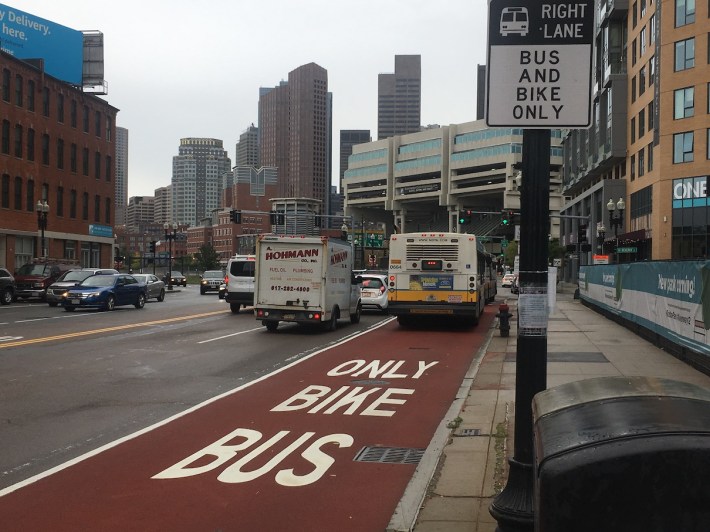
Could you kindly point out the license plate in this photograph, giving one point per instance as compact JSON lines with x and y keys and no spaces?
{"x":74,"y":301}
{"x":368,"y":293}
{"x":289,"y":316}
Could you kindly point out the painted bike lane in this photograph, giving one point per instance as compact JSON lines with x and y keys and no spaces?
{"x":277,"y":454}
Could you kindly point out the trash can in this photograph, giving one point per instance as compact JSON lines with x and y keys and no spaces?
{"x":622,"y":454}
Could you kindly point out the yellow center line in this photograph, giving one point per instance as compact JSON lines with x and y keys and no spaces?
{"x":107,"y":329}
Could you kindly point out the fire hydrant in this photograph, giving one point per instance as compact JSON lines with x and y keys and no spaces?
{"x":504,"y":316}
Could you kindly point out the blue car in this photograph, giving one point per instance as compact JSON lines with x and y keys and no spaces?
{"x":105,"y":292}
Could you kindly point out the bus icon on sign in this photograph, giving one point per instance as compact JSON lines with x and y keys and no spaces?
{"x":514,"y":20}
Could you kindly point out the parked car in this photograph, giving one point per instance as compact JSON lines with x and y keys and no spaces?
{"x":175,"y":279}
{"x":515,"y":286}
{"x":211,"y":281}
{"x":7,"y":287}
{"x":33,"y":279}
{"x":154,"y":287}
{"x":507,"y":280}
{"x":374,"y":292}
{"x":58,"y":289}
{"x":106,"y":292}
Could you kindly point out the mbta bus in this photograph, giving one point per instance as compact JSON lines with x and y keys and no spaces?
{"x":439,"y":274}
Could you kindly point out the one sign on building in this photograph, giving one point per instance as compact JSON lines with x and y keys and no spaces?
{"x":539,"y":69}
{"x":28,"y":36}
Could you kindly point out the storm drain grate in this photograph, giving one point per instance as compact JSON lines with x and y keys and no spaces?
{"x":390,"y":455}
{"x":469,"y":432}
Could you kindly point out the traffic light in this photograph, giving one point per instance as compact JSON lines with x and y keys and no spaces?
{"x":582,"y":233}
{"x":151,"y":247}
{"x":506,"y":217}
{"x":465,"y":217}
{"x":317,"y":221}
{"x":235,"y":216}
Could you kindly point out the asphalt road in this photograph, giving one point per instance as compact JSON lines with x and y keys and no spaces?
{"x":72,"y":382}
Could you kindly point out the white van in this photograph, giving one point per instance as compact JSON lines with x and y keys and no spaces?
{"x":240,"y":282}
{"x":514,"y":20}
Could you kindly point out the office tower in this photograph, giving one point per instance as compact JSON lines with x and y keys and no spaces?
{"x":163,"y":205}
{"x":399,"y":98}
{"x":196,"y":181}
{"x":348,"y":139}
{"x":140,"y":213}
{"x":121,"y":197}
{"x":295,"y":135}
{"x":247,"y":149}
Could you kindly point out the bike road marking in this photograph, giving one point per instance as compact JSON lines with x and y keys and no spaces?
{"x":107,"y":329}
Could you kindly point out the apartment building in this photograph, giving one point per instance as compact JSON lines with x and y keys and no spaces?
{"x":57,"y":146}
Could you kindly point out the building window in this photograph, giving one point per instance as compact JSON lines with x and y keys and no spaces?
{"x":652,"y":28}
{"x":708,"y":142}
{"x":649,"y":152}
{"x":60,"y":108}
{"x":72,"y":204}
{"x":60,"y":201}
{"x":642,"y":80}
{"x":31,"y":145}
{"x":649,"y":114}
{"x":651,"y":70}
{"x":633,"y":52}
{"x":643,"y":7}
{"x":685,"y":54}
{"x":683,"y":147}
{"x":643,"y":39}
{"x":60,"y":154}
{"x":635,"y":15}
{"x":97,"y":123}
{"x":683,"y":103}
{"x":97,"y":208}
{"x":109,"y":127}
{"x":97,"y":165}
{"x":642,"y":123}
{"x":633,"y":89}
{"x":45,"y":149}
{"x":45,"y":101}
{"x":19,"y":87}
{"x":633,"y":130}
{"x":31,"y":96}
{"x":72,"y":113}
{"x":107,"y":211}
{"x":633,"y":167}
{"x":641,"y":163}
{"x":85,"y":119}
{"x":18,"y":140}
{"x":30,"y":205}
{"x":18,"y":193}
{"x":85,"y":161}
{"x":85,"y":206}
{"x":6,"y":84}
{"x":5,"y":203}
{"x":684,"y":12}
{"x":109,"y":168}
{"x":5,"y":137}
{"x":72,"y":157}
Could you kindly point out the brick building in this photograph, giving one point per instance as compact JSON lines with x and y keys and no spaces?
{"x":57,"y":145}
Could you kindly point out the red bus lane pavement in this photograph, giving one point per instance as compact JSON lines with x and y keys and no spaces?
{"x":280,"y":453}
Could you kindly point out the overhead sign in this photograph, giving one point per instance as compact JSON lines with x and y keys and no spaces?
{"x":539,"y":72}
{"x":27,"y":36}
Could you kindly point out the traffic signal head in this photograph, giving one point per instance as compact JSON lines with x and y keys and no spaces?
{"x":466,"y":217}
{"x":152,"y":246}
{"x":506,"y":217}
{"x":235,"y":216}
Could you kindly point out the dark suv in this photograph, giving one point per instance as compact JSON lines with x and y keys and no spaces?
{"x":7,"y":287}
{"x":211,"y":281}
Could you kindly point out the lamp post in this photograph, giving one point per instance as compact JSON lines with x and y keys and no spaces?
{"x":42,"y":211}
{"x":616,"y":219}
{"x":601,"y":233}
{"x":170,"y":234}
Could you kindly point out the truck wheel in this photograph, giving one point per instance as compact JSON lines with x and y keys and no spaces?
{"x":355,"y":318}
{"x":332,"y":324}
{"x":234,"y":307}
{"x":271,"y":326}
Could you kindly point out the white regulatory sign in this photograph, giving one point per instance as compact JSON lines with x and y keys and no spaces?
{"x":539,"y":72}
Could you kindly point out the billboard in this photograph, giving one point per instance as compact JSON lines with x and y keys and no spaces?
{"x":27,"y":36}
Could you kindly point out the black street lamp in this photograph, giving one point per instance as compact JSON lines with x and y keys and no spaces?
{"x":601,"y":233}
{"x":42,"y":211}
{"x":616,"y":219}
{"x":170,"y":234}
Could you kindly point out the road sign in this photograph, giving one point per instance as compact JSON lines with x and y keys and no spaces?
{"x":539,"y":72}
{"x":504,"y":244}
{"x":627,"y":249}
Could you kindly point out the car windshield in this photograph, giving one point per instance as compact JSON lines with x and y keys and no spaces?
{"x":76,"y":275}
{"x":373,"y":282}
{"x":176,"y":274}
{"x":99,"y":280}
{"x":32,"y":269}
{"x":212,"y":275}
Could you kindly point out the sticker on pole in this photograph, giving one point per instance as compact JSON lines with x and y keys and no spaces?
{"x":539,"y":72}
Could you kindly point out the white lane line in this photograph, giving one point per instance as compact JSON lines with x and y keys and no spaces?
{"x":230,"y":335}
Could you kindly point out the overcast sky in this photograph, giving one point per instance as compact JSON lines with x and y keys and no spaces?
{"x":184,"y":68}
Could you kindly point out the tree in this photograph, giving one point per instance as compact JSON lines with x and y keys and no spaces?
{"x":207,"y":258}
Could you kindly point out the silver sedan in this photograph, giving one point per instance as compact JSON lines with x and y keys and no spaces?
{"x":155,"y":288}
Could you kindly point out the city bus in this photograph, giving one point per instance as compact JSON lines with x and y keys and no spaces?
{"x":439,"y":274}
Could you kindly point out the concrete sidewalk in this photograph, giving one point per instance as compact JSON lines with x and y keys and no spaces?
{"x":466,"y":464}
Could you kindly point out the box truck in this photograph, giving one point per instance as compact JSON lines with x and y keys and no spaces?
{"x":305,"y":279}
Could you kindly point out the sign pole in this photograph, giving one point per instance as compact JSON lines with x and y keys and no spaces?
{"x":513,"y":507}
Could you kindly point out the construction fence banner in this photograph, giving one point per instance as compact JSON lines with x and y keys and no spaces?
{"x":670,"y":298}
